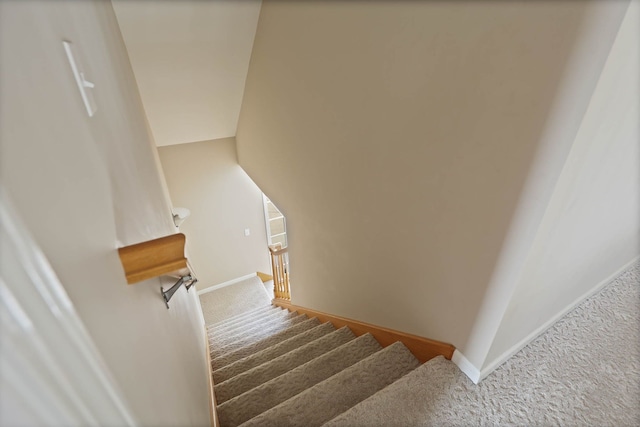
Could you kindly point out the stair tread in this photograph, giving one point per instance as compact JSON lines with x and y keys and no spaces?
{"x":406,"y":401}
{"x":247,"y":350}
{"x":272,"y":393}
{"x":280,"y":365}
{"x":247,"y":320}
{"x":247,"y":323}
{"x":237,"y":317}
{"x":255,"y":333}
{"x":225,"y":337}
{"x":263,"y":356}
{"x":326,"y":400}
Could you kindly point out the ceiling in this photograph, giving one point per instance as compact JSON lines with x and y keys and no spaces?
{"x":190,"y":60}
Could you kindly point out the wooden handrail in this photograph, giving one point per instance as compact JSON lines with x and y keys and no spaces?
{"x":153,"y":258}
{"x":280,"y":251}
{"x":423,"y":349}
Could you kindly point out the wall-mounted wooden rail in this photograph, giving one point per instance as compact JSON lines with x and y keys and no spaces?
{"x":280,"y":270}
{"x":423,"y":349}
{"x":153,"y":258}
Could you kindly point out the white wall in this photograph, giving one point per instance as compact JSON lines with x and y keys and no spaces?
{"x":84,"y":186}
{"x":190,"y":59}
{"x":591,"y":227}
{"x":584,"y":64}
{"x":397,"y":140}
{"x":206,"y":178}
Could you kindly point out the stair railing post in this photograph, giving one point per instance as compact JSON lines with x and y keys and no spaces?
{"x":280,"y":270}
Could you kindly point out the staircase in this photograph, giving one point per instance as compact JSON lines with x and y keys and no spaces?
{"x":272,"y":367}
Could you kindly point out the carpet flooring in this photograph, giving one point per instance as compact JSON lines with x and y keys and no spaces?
{"x":583,"y":371}
{"x":232,"y":300}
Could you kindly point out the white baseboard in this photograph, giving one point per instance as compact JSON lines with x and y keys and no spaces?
{"x":465,"y":366}
{"x":533,"y":335}
{"x":227,"y":283}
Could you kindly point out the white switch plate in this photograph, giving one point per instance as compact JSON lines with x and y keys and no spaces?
{"x":247,"y":232}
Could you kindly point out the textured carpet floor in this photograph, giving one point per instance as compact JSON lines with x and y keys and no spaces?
{"x":583,"y":371}
{"x":275,"y":369}
{"x":234,"y":299}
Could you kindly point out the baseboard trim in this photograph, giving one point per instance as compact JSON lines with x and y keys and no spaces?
{"x":422,"y":348}
{"x":466,"y":367}
{"x":539,"y":331}
{"x":264,"y":277}
{"x":227,"y":283}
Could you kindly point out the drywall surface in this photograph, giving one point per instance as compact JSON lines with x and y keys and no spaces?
{"x":85,"y":186}
{"x":205,"y":177}
{"x":190,"y":59}
{"x":584,"y":65}
{"x":591,"y":227}
{"x":397,"y":137}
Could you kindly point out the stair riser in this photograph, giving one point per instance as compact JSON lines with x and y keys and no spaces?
{"x":328,"y":399}
{"x":243,"y":341}
{"x":229,"y":358}
{"x":252,"y":403}
{"x":281,"y":365}
{"x":238,"y":317}
{"x":271,"y":353}
{"x":250,"y":329}
{"x":241,"y":323}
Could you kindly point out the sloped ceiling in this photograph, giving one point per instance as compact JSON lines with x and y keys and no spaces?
{"x":190,"y":59}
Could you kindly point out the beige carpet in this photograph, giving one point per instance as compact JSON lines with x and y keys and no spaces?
{"x":584,"y":371}
{"x":233,"y":300}
{"x":324,"y":372}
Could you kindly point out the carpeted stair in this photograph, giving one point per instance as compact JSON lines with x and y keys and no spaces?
{"x":276,"y":368}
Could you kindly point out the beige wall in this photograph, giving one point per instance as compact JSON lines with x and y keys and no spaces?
{"x":190,"y":59}
{"x":205,"y":177}
{"x":397,"y":140}
{"x":84,"y":186}
{"x":592,"y":225}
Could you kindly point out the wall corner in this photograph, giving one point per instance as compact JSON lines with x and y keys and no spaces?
{"x":466,"y":366}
